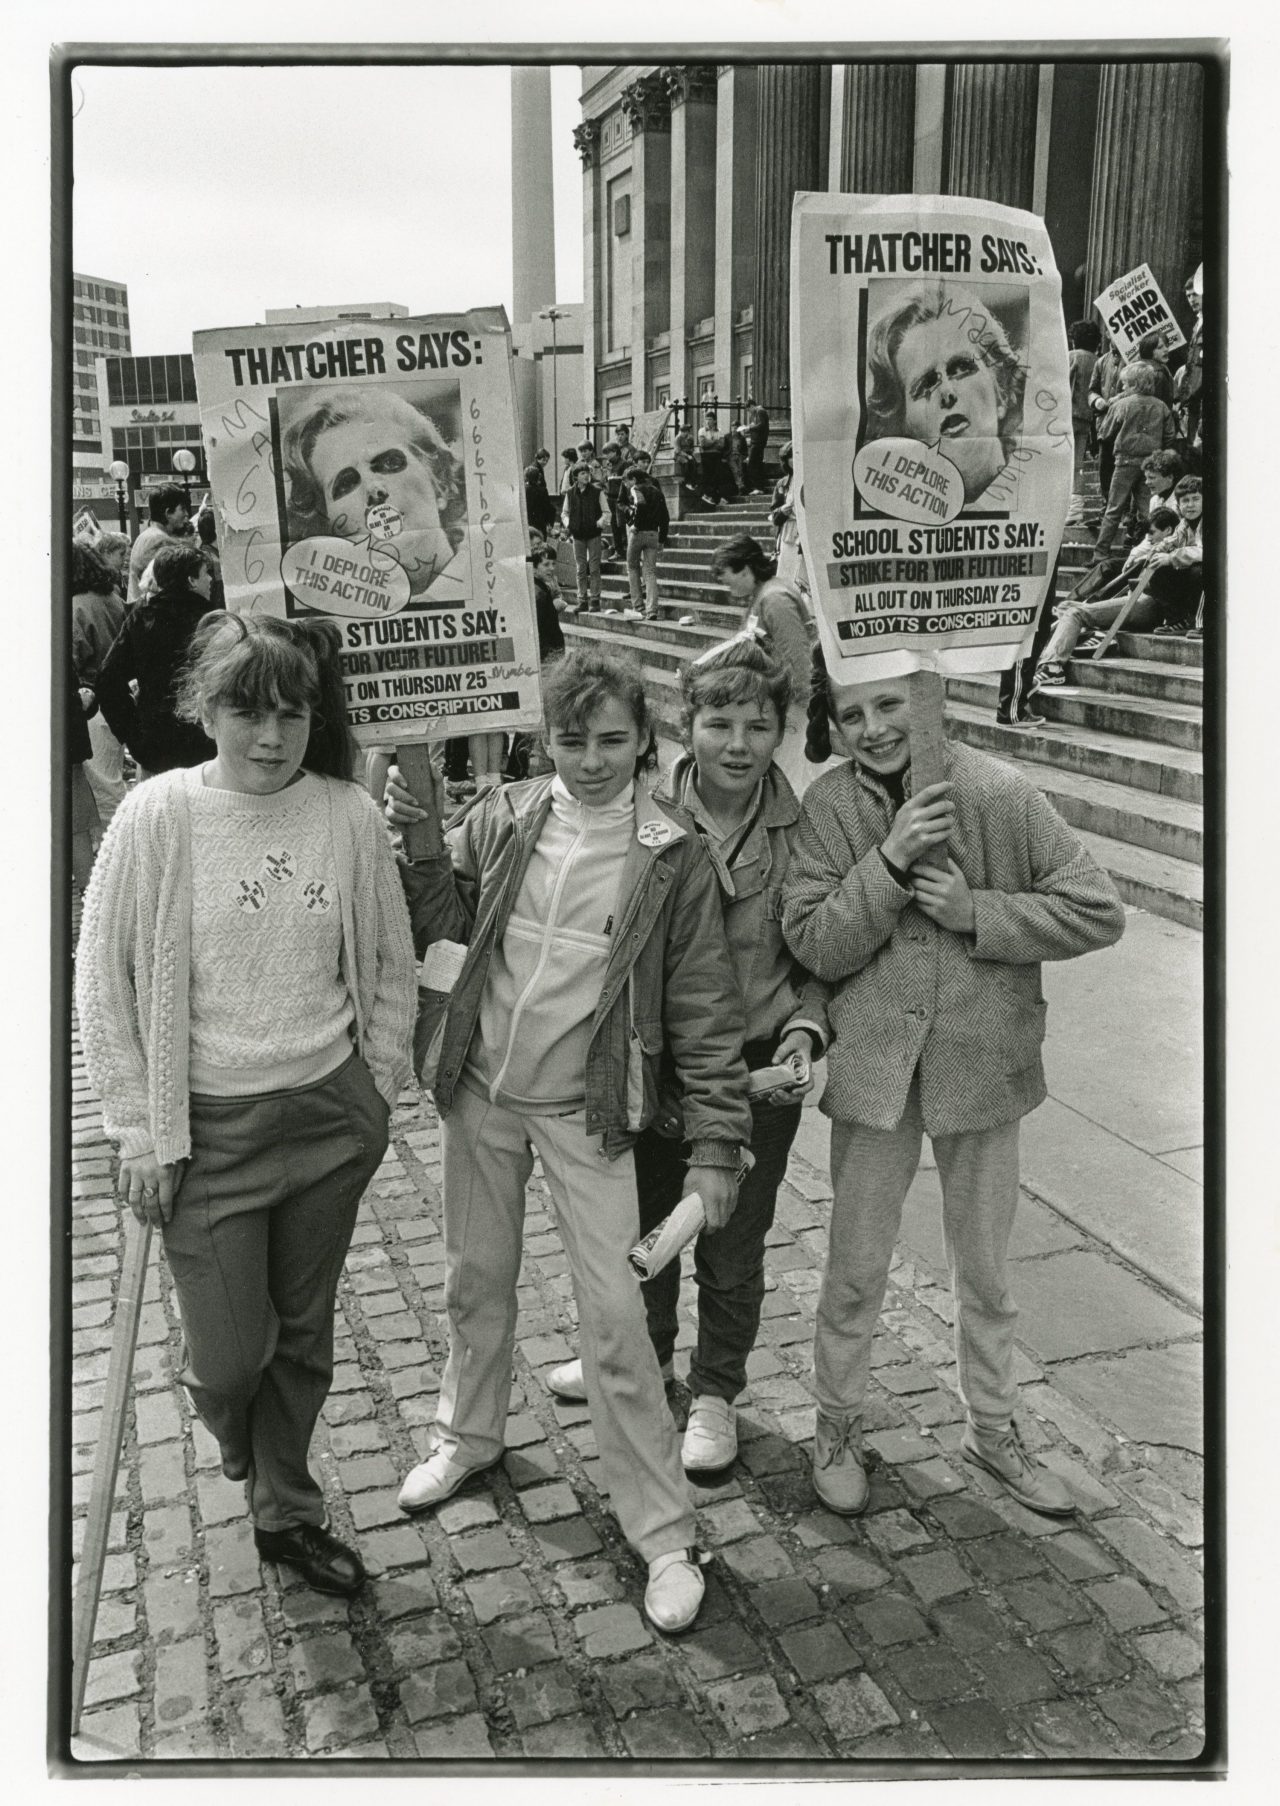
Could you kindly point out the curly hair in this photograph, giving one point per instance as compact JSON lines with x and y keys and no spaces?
{"x":90,"y":572}
{"x":886,"y":397}
{"x":308,"y":513}
{"x":177,"y":567}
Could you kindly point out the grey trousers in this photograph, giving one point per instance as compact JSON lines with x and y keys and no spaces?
{"x":260,"y":1229}
{"x":871,"y":1171}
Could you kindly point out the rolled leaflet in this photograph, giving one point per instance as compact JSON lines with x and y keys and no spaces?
{"x":674,"y":1233}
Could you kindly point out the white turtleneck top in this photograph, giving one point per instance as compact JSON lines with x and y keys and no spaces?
{"x":529,"y":1050}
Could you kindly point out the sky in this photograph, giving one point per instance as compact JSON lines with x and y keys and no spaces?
{"x":216,"y":193}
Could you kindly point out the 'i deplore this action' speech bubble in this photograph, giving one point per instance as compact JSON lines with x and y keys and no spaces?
{"x":344,"y":579}
{"x":909,"y":481}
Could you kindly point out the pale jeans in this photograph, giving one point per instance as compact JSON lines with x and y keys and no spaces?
{"x":488,"y":1158}
{"x":642,"y":555}
{"x":871,"y":1172}
{"x":105,"y":770}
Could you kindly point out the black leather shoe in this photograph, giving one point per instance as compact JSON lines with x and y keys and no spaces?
{"x":323,"y":1562}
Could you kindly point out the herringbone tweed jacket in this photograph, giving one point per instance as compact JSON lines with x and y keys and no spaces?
{"x":967,"y":1009}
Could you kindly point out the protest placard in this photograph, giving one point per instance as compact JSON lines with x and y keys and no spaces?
{"x":369,"y":470}
{"x":931,"y":420}
{"x":1132,"y":307}
{"x":647,"y":430}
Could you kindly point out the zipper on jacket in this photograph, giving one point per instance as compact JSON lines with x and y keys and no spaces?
{"x":543,"y":956}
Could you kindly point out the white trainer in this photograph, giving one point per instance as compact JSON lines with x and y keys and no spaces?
{"x":437,"y":1479}
{"x":566,"y":1382}
{"x":673,"y":1597}
{"x":711,"y":1438}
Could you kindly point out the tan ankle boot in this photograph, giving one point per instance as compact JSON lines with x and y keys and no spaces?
{"x":839,"y":1477}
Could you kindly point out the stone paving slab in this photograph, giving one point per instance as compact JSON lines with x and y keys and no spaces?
{"x":946,"y":1623}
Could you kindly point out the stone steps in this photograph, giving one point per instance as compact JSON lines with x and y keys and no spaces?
{"x":1090,"y":752}
{"x":1165,"y":723}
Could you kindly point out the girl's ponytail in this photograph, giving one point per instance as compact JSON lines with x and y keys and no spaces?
{"x":330,"y":749}
{"x":817,"y":738}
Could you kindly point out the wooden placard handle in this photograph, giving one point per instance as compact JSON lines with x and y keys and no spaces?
{"x":422,"y":839}
{"x":928,"y":744}
{"x":93,"y":1555}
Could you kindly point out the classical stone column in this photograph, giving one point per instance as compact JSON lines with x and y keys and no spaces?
{"x":586,"y":138}
{"x":788,"y":159}
{"x":877,"y":142}
{"x":1148,"y":141}
{"x":993,"y":131}
{"x":648,"y":106}
{"x":692,"y":91}
{"x":533,"y":222}
{"x":735,"y":268}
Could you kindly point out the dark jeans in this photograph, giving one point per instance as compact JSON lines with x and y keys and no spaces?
{"x":260,"y":1229}
{"x":728,"y":1263}
{"x":1177,"y":593}
{"x":1017,"y":680}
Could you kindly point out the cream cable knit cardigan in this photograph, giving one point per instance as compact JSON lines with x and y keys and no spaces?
{"x":133,"y":960}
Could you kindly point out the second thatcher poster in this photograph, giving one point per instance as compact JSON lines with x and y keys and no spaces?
{"x":931,"y":416}
{"x":367,"y":469}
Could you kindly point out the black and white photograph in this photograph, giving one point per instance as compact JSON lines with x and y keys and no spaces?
{"x":587,"y":1241}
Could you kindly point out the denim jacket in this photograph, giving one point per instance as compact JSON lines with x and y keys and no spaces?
{"x":669,"y":981}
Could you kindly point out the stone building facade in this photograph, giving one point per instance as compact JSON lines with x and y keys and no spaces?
{"x":689,"y":172}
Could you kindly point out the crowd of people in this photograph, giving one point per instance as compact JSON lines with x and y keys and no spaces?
{"x":1143,"y":420}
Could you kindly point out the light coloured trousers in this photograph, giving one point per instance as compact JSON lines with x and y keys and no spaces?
{"x":105,"y":770}
{"x":488,"y":1157}
{"x":871,"y":1171}
{"x":642,"y":556}
{"x":1077,"y":617}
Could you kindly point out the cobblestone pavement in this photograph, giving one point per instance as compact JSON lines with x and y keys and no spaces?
{"x":948,"y":1622}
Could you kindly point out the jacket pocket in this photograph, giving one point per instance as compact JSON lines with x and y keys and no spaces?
{"x":428,"y":1035}
{"x":644,"y":1047}
{"x":1024,"y":1011}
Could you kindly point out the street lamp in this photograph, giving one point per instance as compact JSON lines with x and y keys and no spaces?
{"x":120,"y":472}
{"x":553,"y":314}
{"x":184,"y":462}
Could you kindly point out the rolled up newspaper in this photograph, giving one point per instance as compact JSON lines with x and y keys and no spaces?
{"x":674,"y":1233}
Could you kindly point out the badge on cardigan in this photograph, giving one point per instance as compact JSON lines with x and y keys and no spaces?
{"x":280,"y":866}
{"x":655,"y":833}
{"x":249,"y":894}
{"x":315,"y":895}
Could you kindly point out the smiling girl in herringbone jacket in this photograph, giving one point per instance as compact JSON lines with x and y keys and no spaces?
{"x":937,"y":1019}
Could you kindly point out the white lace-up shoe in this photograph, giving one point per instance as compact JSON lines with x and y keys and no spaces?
{"x":437,"y":1479}
{"x":839,"y":1476}
{"x":1031,"y":1483}
{"x":673,"y":1596}
{"x":711,"y":1438}
{"x":567,"y":1382}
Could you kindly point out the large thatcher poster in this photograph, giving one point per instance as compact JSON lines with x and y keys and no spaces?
{"x":931,"y":417}
{"x":368,"y":470}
